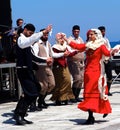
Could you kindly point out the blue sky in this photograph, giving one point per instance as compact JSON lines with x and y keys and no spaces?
{"x":63,"y":14}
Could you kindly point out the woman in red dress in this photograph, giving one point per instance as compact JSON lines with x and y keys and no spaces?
{"x":95,"y":87}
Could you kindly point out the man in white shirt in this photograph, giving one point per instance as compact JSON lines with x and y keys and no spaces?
{"x":44,"y":74}
{"x":29,"y":84}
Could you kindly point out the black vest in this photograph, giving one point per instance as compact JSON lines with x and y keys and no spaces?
{"x":24,"y":57}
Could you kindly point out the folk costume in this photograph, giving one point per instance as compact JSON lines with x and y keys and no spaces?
{"x":29,"y":84}
{"x":44,"y":72}
{"x":95,"y":87}
{"x":76,"y":68}
{"x":62,"y":92}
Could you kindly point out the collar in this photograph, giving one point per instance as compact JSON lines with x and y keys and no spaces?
{"x":94,"y":45}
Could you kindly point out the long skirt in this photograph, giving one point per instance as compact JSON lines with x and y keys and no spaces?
{"x":62,"y":90}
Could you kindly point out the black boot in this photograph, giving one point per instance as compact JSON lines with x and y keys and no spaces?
{"x":44,"y":104}
{"x":19,"y":113}
{"x":19,"y":120}
{"x":58,"y":103}
{"x":104,"y":115}
{"x":33,"y":106}
{"x":76,"y":92}
{"x":19,"y":105}
{"x":91,"y":119}
{"x":77,"y":95}
{"x":21,"y":110}
{"x":27,"y":122}
{"x":40,"y":101}
{"x":109,"y":86}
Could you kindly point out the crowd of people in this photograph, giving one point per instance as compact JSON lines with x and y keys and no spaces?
{"x":62,"y":70}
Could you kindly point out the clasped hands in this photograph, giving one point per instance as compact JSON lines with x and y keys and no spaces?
{"x":49,"y":61}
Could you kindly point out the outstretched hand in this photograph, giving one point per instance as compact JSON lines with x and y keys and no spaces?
{"x":114,"y":51}
{"x":48,"y":29}
{"x":66,"y":39}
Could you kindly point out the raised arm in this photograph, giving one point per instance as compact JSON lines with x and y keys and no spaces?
{"x":107,"y":52}
{"x":24,"y":42}
{"x":81,"y":47}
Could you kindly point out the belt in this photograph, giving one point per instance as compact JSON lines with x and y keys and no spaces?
{"x":19,"y":67}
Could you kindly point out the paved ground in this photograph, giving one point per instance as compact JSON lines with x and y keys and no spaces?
{"x":67,"y":117}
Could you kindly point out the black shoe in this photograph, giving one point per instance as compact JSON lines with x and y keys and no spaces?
{"x":90,"y":121}
{"x":65,"y":102}
{"x":78,"y":100}
{"x":45,"y":105}
{"x":73,"y":100}
{"x":26,"y":114}
{"x":58,"y":103}
{"x":104,"y":115}
{"x":32,"y":108}
{"x":19,"y":120}
{"x":39,"y":108}
{"x":109,"y":94}
{"x":27,"y":122}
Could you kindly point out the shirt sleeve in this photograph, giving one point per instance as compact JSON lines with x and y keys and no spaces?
{"x":57,"y":55}
{"x":107,"y":43}
{"x":80,"y":47}
{"x":105,"y":51}
{"x":35,"y":48}
{"x":24,"y":42}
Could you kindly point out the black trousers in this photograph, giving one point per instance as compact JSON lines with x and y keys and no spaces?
{"x":31,"y":89}
{"x":108,"y":70}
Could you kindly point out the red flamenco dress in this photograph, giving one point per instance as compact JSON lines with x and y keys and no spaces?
{"x":95,"y":88}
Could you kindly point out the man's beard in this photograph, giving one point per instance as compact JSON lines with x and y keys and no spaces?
{"x":44,"y":40}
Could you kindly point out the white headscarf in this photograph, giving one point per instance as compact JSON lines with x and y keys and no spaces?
{"x":98,"y":42}
{"x":98,"y":33}
{"x":57,"y":45}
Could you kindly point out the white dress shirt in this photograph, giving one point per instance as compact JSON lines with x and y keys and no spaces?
{"x":24,"y":42}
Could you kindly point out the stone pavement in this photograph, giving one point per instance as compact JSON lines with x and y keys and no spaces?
{"x":66,"y":117}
